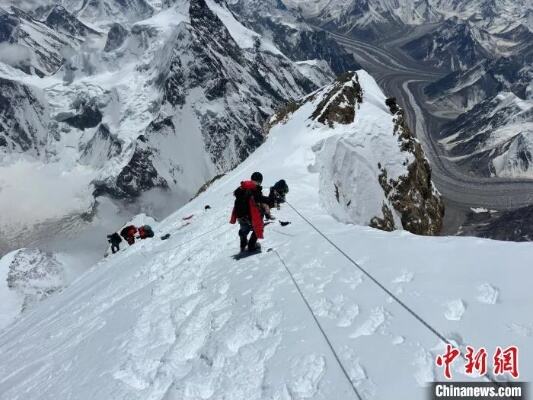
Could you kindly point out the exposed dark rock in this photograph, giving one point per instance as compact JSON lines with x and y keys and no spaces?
{"x":63,"y":21}
{"x":392,"y":104}
{"x":23,"y":118}
{"x":341,"y":102}
{"x":138,"y":176}
{"x":41,"y":48}
{"x":514,"y":226}
{"x":88,"y":115}
{"x":386,"y":223}
{"x":413,"y":196}
{"x":283,"y":113}
{"x":115,"y":37}
{"x":8,"y":27}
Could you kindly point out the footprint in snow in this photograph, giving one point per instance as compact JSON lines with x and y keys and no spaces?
{"x":455,"y":310}
{"x":306,"y":374}
{"x":488,"y":294}
{"x":357,"y":373}
{"x":377,"y":318}
{"x":338,"y":309}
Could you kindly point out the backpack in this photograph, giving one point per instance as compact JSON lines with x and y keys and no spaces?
{"x":242,"y":202}
{"x":128,"y":231}
{"x":148,"y":231}
{"x":281,"y":187}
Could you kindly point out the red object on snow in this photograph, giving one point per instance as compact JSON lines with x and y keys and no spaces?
{"x":188,"y":218}
{"x":142,"y":233}
{"x":128,"y":233}
{"x":255,"y":214}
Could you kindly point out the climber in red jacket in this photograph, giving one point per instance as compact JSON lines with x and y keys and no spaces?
{"x":250,"y":206}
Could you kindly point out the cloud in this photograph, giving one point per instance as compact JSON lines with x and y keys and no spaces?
{"x":15,"y":54}
{"x":23,"y":4}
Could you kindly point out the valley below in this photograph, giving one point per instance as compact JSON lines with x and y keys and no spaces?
{"x":404,"y":78}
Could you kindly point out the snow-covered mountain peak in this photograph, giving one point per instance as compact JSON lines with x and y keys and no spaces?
{"x":372,"y":170}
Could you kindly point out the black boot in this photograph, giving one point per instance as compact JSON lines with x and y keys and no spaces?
{"x":244,"y":243}
{"x":252,"y":244}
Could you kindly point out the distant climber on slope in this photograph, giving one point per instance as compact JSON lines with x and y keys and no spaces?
{"x":277,"y":194}
{"x":128,"y":233}
{"x":249,"y":209}
{"x":146,"y":232}
{"x":115,"y":241}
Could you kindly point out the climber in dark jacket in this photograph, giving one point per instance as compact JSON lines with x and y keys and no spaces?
{"x":115,"y":241}
{"x":249,"y":209}
{"x":277,"y":194}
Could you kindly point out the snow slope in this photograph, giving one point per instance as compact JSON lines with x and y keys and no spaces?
{"x":181,"y":319}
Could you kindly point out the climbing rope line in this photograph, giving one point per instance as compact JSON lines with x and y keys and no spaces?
{"x":317,"y":322}
{"x":371,"y":277}
{"x":392,"y":295}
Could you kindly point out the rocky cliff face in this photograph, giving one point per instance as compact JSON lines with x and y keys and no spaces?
{"x":24,"y":119}
{"x":413,"y":195}
{"x":31,"y":45}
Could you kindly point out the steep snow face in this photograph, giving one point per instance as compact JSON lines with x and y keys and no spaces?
{"x":63,"y":21}
{"x":166,"y":102}
{"x":317,"y":71}
{"x":462,"y":90}
{"x":294,"y":37}
{"x":181,"y":319}
{"x":494,"y":138}
{"x":24,"y":119}
{"x":31,"y":45}
{"x":100,"y":13}
{"x":371,"y":170}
